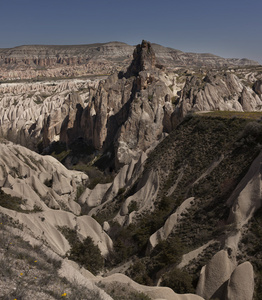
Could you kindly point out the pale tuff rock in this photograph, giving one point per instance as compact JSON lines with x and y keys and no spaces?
{"x":170,"y":224}
{"x":148,"y":114}
{"x":26,"y":174}
{"x":222,"y":279}
{"x":131,"y":109}
{"x":44,"y":226}
{"x":144,"y":59}
{"x":258,"y":87}
{"x":31,"y":112}
{"x":249,"y":101}
{"x":94,"y":200}
{"x":214,"y":275}
{"x":241,"y":283}
{"x":216,"y":92}
{"x":144,"y":199}
{"x":247,"y":197}
{"x":156,"y":293}
{"x":64,"y":122}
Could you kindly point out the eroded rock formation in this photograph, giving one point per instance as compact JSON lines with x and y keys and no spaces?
{"x":216,"y":92}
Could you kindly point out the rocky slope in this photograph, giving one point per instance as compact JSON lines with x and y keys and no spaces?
{"x":44,"y":212}
{"x":192,"y":199}
{"x":183,"y":209}
{"x":36,"y":61}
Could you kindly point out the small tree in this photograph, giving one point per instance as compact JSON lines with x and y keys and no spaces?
{"x":179,"y":281}
{"x":88,"y":255}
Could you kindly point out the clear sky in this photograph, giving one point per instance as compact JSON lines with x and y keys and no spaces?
{"x":229,"y":28}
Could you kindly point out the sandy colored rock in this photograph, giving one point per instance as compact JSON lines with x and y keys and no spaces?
{"x":216,"y":273}
{"x":40,"y":180}
{"x":171,"y":222}
{"x":241,"y":283}
{"x":246,"y":198}
{"x":153,"y":292}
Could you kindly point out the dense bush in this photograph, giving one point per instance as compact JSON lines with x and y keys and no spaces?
{"x":166,"y":253}
{"x":11,"y":202}
{"x":86,"y":253}
{"x":179,"y":281}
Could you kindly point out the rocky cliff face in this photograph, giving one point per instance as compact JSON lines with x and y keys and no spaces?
{"x":129,"y":110}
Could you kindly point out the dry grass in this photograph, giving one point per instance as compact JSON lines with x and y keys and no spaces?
{"x":27,"y":272}
{"x":120,"y":291}
{"x":253,"y":115}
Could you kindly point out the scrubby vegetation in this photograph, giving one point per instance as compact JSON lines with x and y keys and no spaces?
{"x":205,"y":158}
{"x":29,"y":272}
{"x":250,"y":249}
{"x":86,"y":253}
{"x":120,"y":291}
{"x":82,"y":157}
{"x":11,"y":202}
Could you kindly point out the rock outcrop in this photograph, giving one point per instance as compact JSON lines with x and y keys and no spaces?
{"x":40,"y":180}
{"x":34,"y":112}
{"x":48,"y":190}
{"x":241,"y":283}
{"x":130,"y":109}
{"x":216,"y":92}
{"x":247,"y":197}
{"x":214,"y":275}
{"x":222,"y":279}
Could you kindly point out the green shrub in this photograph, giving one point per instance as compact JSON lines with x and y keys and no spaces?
{"x":179,"y":281}
{"x":88,"y":255}
{"x":11,"y":202}
{"x":139,"y":272}
{"x":166,"y":252}
{"x":133,"y":206}
{"x":85,"y":253}
{"x":79,"y":191}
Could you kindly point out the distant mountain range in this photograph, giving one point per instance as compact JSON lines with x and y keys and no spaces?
{"x":97,"y":58}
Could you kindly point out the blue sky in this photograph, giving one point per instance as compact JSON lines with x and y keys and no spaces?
{"x":227,"y":28}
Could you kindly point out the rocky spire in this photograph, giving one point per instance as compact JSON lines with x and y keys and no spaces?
{"x":143,"y":59}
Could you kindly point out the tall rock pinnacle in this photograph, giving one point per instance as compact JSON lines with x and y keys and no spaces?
{"x":143,"y":59}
